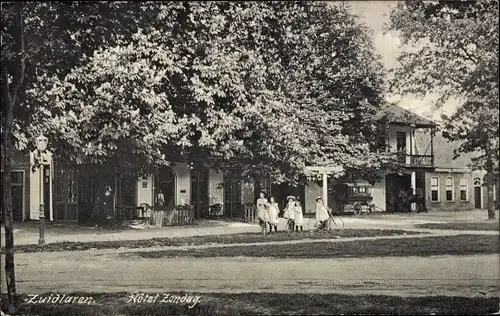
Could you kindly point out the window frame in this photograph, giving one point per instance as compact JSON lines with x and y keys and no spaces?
{"x":452,"y":190}
{"x":466,"y":185}
{"x":437,"y":189}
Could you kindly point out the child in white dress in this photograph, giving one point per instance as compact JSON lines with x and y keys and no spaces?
{"x":322,"y":213}
{"x":299,"y":217}
{"x":289,"y":214}
{"x":273,"y":215}
{"x":262,"y":210}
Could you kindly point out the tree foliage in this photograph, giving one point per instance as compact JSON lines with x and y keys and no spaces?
{"x":275,"y":85}
{"x":452,"y":50}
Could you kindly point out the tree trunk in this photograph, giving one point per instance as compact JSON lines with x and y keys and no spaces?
{"x":489,"y":187}
{"x":11,"y":96}
{"x":10,"y":276}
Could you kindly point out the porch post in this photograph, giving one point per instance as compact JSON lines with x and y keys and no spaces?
{"x":325,"y":188}
{"x":432,"y":145}
{"x":414,"y":187}
{"x":412,"y":130}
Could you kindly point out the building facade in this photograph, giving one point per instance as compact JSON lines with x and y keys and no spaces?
{"x":68,"y":194}
{"x":457,"y":189}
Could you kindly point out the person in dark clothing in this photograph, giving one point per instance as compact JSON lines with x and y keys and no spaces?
{"x":420,"y":199}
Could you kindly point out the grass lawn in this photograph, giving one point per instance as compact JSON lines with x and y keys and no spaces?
{"x":489,"y":226}
{"x":213,"y":239}
{"x":425,"y":246}
{"x":269,"y":304}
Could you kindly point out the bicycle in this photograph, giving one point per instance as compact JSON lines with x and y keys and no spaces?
{"x":336,"y":224}
{"x":332,"y":224}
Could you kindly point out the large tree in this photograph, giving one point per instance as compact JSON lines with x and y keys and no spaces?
{"x":273,"y":85}
{"x":46,"y":38}
{"x":13,"y":76}
{"x":451,"y":48}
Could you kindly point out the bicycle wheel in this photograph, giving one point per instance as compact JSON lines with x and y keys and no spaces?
{"x":264,"y":229}
{"x":357,"y":209}
{"x":335,"y":224}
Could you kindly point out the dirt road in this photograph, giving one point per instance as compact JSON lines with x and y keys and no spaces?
{"x":101,"y":271}
{"x":27,"y":233}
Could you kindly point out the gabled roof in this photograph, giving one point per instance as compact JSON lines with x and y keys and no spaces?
{"x":398,"y":115}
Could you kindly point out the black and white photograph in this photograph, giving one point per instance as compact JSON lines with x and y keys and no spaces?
{"x":250,"y":158}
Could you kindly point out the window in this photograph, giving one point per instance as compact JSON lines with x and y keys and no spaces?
{"x":382,"y":143}
{"x":449,"y":189}
{"x":434,"y":189}
{"x":401,"y":141}
{"x":463,"y":189}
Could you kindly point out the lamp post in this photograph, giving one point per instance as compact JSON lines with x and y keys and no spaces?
{"x":41,"y":145}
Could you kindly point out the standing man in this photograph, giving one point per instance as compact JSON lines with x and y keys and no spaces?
{"x":160,"y":199}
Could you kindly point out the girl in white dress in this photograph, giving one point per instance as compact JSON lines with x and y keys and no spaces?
{"x":262,"y":210}
{"x":322,"y":214}
{"x":273,"y":214}
{"x":290,"y":212}
{"x":299,"y":217}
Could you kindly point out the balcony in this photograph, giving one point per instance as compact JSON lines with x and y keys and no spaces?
{"x":418,"y":161}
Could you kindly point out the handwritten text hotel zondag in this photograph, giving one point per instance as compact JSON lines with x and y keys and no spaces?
{"x":165,"y":298}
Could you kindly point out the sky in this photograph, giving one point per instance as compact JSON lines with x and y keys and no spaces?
{"x":375,"y":14}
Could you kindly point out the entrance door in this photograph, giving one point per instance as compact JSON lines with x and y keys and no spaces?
{"x":166,"y":184}
{"x":477,"y":193}
{"x":17,"y":184}
{"x":199,"y":191}
{"x":125,"y":194}
{"x":393,"y":184}
{"x":66,"y":197}
{"x":401,"y":145}
{"x":232,"y":192}
{"x":17,"y":195}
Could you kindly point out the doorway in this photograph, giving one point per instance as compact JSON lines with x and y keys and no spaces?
{"x":17,"y":185}
{"x":394,"y":183}
{"x":165,"y":183}
{"x":232,"y":192}
{"x":17,"y":195}
{"x":66,"y":197}
{"x":401,"y":145}
{"x":477,"y":193}
{"x":199,"y":191}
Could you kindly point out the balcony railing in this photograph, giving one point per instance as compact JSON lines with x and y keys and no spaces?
{"x":417,"y":160}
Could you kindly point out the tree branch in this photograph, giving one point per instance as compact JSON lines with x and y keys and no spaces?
{"x":5,"y":79}
{"x":468,"y":55}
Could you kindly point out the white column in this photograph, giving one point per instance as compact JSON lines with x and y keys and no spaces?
{"x":414,"y":186}
{"x":325,"y":189}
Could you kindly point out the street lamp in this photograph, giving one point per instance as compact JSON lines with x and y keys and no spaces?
{"x":41,"y":145}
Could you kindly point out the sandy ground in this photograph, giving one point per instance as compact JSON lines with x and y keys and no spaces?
{"x":94,"y":271}
{"x":28,"y":234}
{"x":107,"y":270}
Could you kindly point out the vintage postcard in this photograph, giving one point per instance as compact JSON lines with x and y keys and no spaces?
{"x":250,"y":158}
